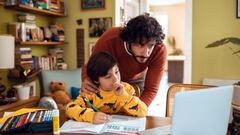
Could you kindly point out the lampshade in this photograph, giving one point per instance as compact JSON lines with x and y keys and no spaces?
{"x":7,"y":51}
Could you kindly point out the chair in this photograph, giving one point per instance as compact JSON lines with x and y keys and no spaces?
{"x":137,"y":89}
{"x":173,"y":89}
{"x":72,"y":78}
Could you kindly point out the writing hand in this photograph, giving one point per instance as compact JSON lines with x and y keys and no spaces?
{"x":100,"y":118}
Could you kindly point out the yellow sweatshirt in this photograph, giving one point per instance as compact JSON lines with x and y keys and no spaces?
{"x":107,"y":102}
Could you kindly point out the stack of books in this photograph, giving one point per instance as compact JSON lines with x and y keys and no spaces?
{"x":58,"y":53}
{"x":57,"y":30}
{"x":23,"y":58}
{"x":29,"y":30}
{"x":55,"y":6}
{"x":45,"y":62}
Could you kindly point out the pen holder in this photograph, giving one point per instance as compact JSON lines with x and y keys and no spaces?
{"x":38,"y":121}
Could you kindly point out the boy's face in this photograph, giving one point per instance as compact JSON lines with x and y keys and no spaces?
{"x":108,"y":81}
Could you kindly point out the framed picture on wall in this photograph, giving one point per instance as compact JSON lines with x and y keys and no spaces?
{"x":92,"y":4}
{"x":238,"y":9}
{"x":97,"y":26}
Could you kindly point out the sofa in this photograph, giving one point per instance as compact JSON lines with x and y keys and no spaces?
{"x":73,"y":81}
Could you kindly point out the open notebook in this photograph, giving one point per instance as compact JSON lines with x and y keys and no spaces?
{"x":118,"y":124}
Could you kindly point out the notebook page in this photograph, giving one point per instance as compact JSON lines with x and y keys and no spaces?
{"x":72,"y":126}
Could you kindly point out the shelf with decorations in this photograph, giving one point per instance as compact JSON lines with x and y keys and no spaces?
{"x":26,"y":8}
{"x":54,"y":8}
{"x":40,"y":43}
{"x":28,"y":35}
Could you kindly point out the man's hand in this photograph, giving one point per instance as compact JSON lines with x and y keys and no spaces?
{"x":88,"y":87}
{"x":118,"y":89}
{"x":100,"y":118}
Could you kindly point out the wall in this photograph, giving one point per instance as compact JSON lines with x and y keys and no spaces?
{"x":176,"y":21}
{"x":213,"y":20}
{"x":75,"y":13}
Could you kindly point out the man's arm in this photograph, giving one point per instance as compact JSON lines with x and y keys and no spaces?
{"x":87,"y":85}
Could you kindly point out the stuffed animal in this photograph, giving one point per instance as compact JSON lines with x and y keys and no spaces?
{"x":59,"y":94}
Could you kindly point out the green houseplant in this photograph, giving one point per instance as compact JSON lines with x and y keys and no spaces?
{"x":172,"y":43}
{"x":226,"y":41}
{"x":236,"y":91}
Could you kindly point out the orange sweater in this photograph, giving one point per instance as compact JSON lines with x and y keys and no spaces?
{"x":129,"y":68}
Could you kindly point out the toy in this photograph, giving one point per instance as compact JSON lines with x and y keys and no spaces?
{"x":59,"y":94}
{"x":2,"y":89}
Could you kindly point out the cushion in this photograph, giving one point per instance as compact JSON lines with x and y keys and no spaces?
{"x":75,"y":92}
{"x":71,"y":77}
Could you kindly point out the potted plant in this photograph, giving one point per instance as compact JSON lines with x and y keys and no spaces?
{"x":235,"y":128}
{"x":21,"y":78}
{"x":225,"y":41}
{"x":172,"y":43}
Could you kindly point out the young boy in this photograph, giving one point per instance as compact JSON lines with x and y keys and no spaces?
{"x":113,"y":96}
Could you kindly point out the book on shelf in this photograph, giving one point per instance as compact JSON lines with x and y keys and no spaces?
{"x":23,"y":57}
{"x":118,"y":124}
{"x":26,"y":30}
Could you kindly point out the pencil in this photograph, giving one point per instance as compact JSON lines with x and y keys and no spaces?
{"x":40,"y":116}
{"x":28,"y":117}
{"x":94,"y":108}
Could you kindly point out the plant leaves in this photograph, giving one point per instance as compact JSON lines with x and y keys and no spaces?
{"x":233,"y":40}
{"x":236,"y":52}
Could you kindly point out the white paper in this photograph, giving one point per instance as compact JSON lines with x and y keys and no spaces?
{"x":7,"y":113}
{"x":118,"y":124}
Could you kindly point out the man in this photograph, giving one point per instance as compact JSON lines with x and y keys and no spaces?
{"x":140,"y":54}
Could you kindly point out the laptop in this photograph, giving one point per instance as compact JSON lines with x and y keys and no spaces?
{"x":199,"y":112}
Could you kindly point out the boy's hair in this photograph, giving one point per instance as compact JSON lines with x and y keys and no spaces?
{"x":141,"y":29}
{"x":98,"y":65}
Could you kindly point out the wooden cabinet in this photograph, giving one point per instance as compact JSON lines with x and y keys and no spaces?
{"x":175,"y":69}
{"x":32,"y":102}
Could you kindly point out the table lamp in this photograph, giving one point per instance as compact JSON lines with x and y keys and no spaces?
{"x":6,"y":55}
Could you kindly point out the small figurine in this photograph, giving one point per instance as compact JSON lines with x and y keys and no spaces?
{"x":2,"y":89}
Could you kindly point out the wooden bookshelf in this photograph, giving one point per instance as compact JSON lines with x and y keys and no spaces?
{"x":21,"y":7}
{"x":41,"y":43}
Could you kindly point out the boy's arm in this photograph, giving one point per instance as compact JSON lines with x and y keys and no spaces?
{"x":78,"y":110}
{"x":131,"y":104}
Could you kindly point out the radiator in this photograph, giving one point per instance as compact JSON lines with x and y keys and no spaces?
{"x":218,"y":82}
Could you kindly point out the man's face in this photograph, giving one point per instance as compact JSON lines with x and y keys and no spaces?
{"x":142,"y":52}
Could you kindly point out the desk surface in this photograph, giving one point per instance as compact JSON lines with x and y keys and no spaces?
{"x":151,"y":122}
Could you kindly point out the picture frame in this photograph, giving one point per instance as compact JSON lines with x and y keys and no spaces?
{"x":92,"y":4}
{"x":238,"y":9}
{"x":90,"y":48}
{"x":97,"y":26}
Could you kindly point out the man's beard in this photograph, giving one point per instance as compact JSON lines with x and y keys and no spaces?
{"x":139,"y":59}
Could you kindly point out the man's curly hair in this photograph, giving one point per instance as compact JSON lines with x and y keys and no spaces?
{"x":141,"y":29}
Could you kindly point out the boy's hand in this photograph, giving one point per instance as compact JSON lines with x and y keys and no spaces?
{"x":100,"y":118}
{"x":88,"y":87}
{"x":118,"y":89}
